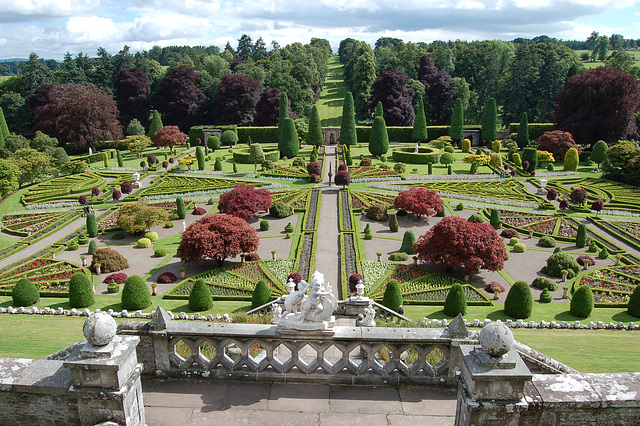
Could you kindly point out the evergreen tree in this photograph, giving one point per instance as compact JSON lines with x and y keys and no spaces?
{"x":598,"y":152}
{"x":3,"y":125}
{"x":156,"y":124}
{"x":456,"y":301}
{"x":571,"y":160}
{"x":283,"y":112}
{"x":582,"y":302}
{"x":519,"y":302}
{"x":25,"y":293}
{"x":523,"y":131}
{"x":80,"y":291}
{"x":379,"y":110}
{"x":200,"y":297}
{"x":348,"y":135}
{"x":200,"y":158}
{"x":419,"y":132}
{"x":256,"y":154}
{"x":408,"y":240}
{"x":261,"y":295}
{"x":581,"y":236}
{"x":92,"y":225}
{"x":135,"y":293}
{"x":457,"y":122}
{"x":314,"y":136}
{"x":495,"y":218}
{"x":489,"y":121}
{"x":392,"y":297}
{"x":119,"y":157}
{"x":288,"y":144}
{"x":379,"y":139}
{"x":181,"y":210}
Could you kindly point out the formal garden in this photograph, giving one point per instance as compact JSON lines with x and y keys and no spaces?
{"x":525,"y":225}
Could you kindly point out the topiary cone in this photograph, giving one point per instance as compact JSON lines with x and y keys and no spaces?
{"x":392,"y":298}
{"x":519,"y":302}
{"x":456,"y":301}
{"x":633,"y":307}
{"x":261,"y":295}
{"x":582,"y":302}
{"x":200,"y":298}
{"x":25,"y":293}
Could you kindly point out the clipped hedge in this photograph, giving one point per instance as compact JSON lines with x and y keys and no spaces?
{"x":519,"y":302}
{"x":200,"y":298}
{"x":80,"y":291}
{"x":456,"y":301}
{"x":425,"y":155}
{"x":392,"y":297}
{"x":582,"y":302}
{"x":25,"y":293}
{"x":401,"y":134}
{"x":261,"y":295}
{"x":542,"y":283}
{"x":243,"y":155}
{"x":135,"y":294}
{"x":258,"y":134}
{"x":535,"y":129}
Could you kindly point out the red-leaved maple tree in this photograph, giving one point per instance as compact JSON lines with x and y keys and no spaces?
{"x":420,"y":201}
{"x":455,"y":242}
{"x":169,"y":136}
{"x":244,"y":201}
{"x":217,"y":237}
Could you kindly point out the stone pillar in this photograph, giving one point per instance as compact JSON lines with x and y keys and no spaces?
{"x":355,"y":306}
{"x":492,"y":380}
{"x":105,"y":375}
{"x":159,"y":323}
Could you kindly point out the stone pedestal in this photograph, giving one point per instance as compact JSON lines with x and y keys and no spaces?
{"x":107,"y":380}
{"x":355,"y":306}
{"x":491,"y":388}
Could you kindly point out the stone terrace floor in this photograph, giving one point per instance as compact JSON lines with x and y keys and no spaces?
{"x":193,"y":402}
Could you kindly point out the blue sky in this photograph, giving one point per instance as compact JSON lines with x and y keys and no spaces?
{"x":52,"y":27}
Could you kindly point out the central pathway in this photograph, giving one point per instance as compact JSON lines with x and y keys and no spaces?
{"x":328,"y":245}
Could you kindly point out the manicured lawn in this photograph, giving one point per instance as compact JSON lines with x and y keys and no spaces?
{"x":12,"y":203}
{"x":6,"y":241}
{"x":332,"y":95}
{"x":588,"y":351}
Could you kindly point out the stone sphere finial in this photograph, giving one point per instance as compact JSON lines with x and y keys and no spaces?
{"x":99,"y":329}
{"x":496,"y":339}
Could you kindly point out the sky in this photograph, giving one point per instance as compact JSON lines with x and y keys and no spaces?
{"x":52,"y":27}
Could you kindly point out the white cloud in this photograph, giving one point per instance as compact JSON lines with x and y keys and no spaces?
{"x":27,"y":10}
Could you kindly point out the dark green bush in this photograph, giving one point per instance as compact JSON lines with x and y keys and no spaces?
{"x":289,"y":228}
{"x":530,"y":154}
{"x":261,"y":295}
{"x":476,"y":218}
{"x":217,"y":165}
{"x":633,"y":307}
{"x":557,"y":250}
{"x":83,"y":239}
{"x":92,"y":225}
{"x":408,"y":240}
{"x":425,"y":155}
{"x":280,"y":209}
{"x":550,"y":167}
{"x":80,"y":291}
{"x":545,"y":296}
{"x":392,"y":297}
{"x":460,"y":206}
{"x":180,"y":208}
{"x":393,"y":223}
{"x":264,"y":225}
{"x":543,"y":282}
{"x":456,"y":301}
{"x":229,"y":138}
{"x":495,"y":218}
{"x":200,"y":297}
{"x":398,"y":257}
{"x":93,"y":247}
{"x":581,"y":237}
{"x":582,"y":302}
{"x":135,"y":294}
{"x":593,"y":247}
{"x":559,"y":261}
{"x":159,"y":252}
{"x":73,"y":245}
{"x":547,"y":241}
{"x":109,"y":260}
{"x":298,"y":162}
{"x":118,"y":236}
{"x":25,"y":293}
{"x":604,"y":253}
{"x":113,"y":287}
{"x":519,"y":301}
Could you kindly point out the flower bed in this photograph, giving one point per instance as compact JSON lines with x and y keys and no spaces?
{"x":612,"y":285}
{"x":287,"y":172}
{"x":297,"y":199}
{"x":66,"y":188}
{"x":360,"y":172}
{"x":238,"y":281}
{"x":363,"y":199}
{"x":166,"y":185}
{"x":49,"y":275}
{"x":509,"y":189}
{"x":24,"y":224}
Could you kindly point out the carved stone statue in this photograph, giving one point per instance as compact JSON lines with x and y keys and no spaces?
{"x":315,"y":311}
{"x":277,"y":313}
{"x":369,"y":317}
